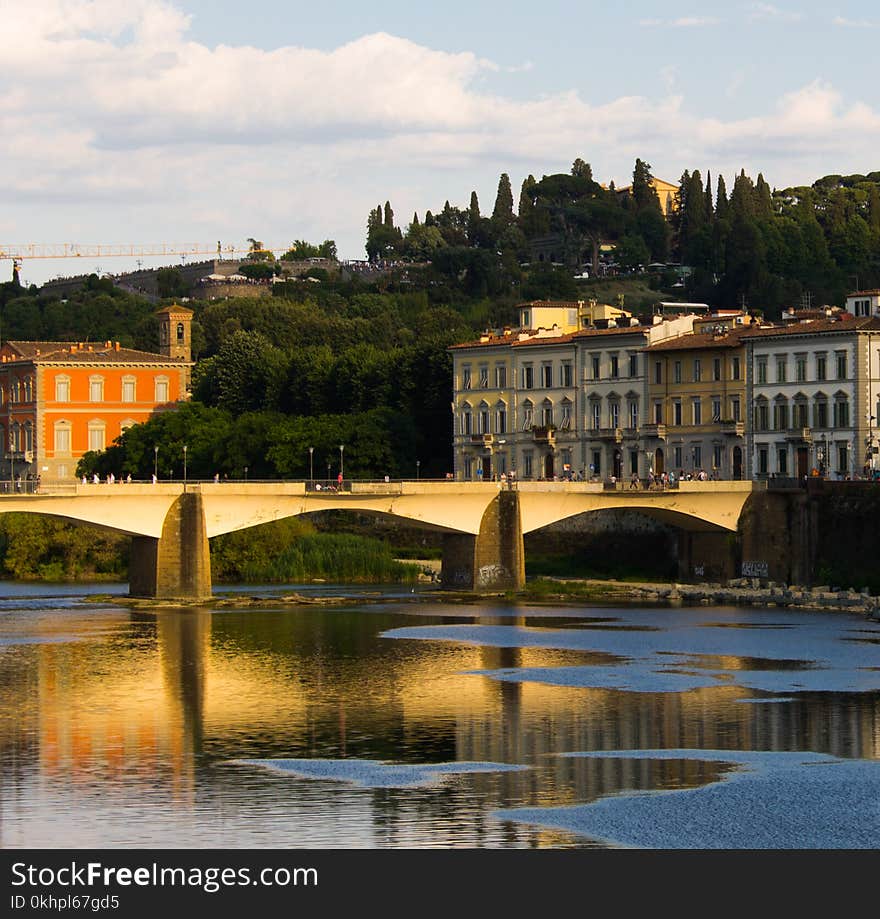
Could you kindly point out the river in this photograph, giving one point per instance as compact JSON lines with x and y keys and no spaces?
{"x":398,"y":720}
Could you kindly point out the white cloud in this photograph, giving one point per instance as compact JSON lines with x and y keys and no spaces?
{"x":855,"y":23}
{"x":766,"y":11}
{"x":682,"y":22}
{"x":116,"y":127}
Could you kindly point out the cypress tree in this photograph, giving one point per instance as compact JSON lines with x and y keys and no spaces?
{"x":709,"y":209}
{"x":474,"y":209}
{"x":526,"y":197}
{"x":389,"y":215}
{"x":643,"y":192}
{"x":763,"y":199}
{"x":429,"y":219}
{"x":742,"y":198}
{"x":874,"y":209}
{"x":503,"y":210}
{"x":415,"y":220}
{"x":721,"y":205}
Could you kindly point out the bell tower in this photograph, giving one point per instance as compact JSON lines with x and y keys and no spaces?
{"x":175,"y":332}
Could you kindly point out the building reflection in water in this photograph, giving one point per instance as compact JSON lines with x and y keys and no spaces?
{"x":161,"y":700}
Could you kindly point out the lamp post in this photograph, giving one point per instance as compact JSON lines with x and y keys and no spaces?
{"x":418,"y":466}
{"x":328,"y":468}
{"x":184,"y":466}
{"x":245,"y":473}
{"x":156,"y":462}
{"x":311,"y":464}
{"x":341,"y":471}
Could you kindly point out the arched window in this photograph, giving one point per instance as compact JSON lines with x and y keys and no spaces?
{"x":841,"y":410}
{"x":820,"y":410}
{"x":467,"y":424}
{"x":125,"y":425}
{"x":762,"y":414}
{"x":15,"y":437}
{"x":28,"y":389}
{"x":565,"y":420}
{"x":800,"y":412}
{"x":180,"y":333}
{"x":528,"y":417}
{"x":483,"y":419}
{"x":28,"y":439}
{"x":500,"y":417}
{"x":546,"y":413}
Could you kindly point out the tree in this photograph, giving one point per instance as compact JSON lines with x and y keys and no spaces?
{"x":721,"y":205}
{"x":502,"y":213}
{"x":389,"y":215}
{"x":643,"y":192}
{"x":582,"y":170}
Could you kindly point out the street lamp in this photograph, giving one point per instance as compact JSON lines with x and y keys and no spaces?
{"x":245,"y":473}
{"x":311,"y":463}
{"x":418,"y":465}
{"x":328,"y":468}
{"x":184,"y":466}
{"x":156,"y":462}
{"x":341,"y":472}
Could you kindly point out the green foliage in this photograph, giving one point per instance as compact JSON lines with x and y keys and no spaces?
{"x":45,"y":548}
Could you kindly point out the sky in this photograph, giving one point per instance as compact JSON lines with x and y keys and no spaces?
{"x":148,"y":122}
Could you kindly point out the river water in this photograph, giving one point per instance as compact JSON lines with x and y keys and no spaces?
{"x":396,"y":720}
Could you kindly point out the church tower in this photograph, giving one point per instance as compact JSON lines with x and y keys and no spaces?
{"x":175,"y":332}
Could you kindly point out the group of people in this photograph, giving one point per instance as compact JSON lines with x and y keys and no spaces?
{"x":110,"y":479}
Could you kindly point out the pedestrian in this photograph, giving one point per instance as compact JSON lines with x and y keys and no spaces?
{"x":154,"y":478}
{"x":96,"y":479}
{"x":339,"y":479}
{"x":480,"y":473}
{"x":18,"y":483}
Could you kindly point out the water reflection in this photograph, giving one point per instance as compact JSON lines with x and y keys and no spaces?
{"x":120,"y":728}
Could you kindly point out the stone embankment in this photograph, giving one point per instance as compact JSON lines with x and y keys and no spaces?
{"x":745,"y":592}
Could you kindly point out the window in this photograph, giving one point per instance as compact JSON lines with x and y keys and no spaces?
{"x":676,"y":457}
{"x":615,"y":367}
{"x":566,"y":373}
{"x":716,"y":368}
{"x":62,"y":389}
{"x":28,"y":432}
{"x":735,"y":410}
{"x":780,"y":415}
{"x":595,"y":415}
{"x":820,"y":412}
{"x":800,"y":368}
{"x":697,"y":453}
{"x":781,"y":369}
{"x":716,"y":456}
{"x":467,"y":425}
{"x":762,"y":370}
{"x":28,"y":389}
{"x":763,"y":466}
{"x":128,"y":389}
{"x":527,"y":464}
{"x":821,"y":367}
{"x":633,"y":365}
{"x":97,"y":434}
{"x":125,"y":425}
{"x":782,"y":460}
{"x":841,"y":364}
{"x":468,"y":468}
{"x":843,"y":458}
{"x":676,"y":372}
{"x":565,"y":423}
{"x":658,"y":371}
{"x":633,"y":462}
{"x":698,"y":411}
{"x":801,"y":414}
{"x":658,"y":413}
{"x":676,"y":411}
{"x":735,"y":370}
{"x":547,"y":413}
{"x":500,"y":376}
{"x":483,"y":419}
{"x":62,"y":438}
{"x":501,"y":418}
{"x":762,"y":415}
{"x":716,"y":409}
{"x":633,"y":411}
{"x":466,"y":377}
{"x":96,"y":390}
{"x":841,"y":412}
{"x":614,"y":414}
{"x":528,"y":376}
{"x":180,"y":333}
{"x":484,"y":377}
{"x":594,"y":363}
{"x":596,"y":465}
{"x":698,"y":370}
{"x":527,"y":417}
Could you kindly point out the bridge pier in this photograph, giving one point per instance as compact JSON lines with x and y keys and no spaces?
{"x":492,"y":560}
{"x":177,"y":566}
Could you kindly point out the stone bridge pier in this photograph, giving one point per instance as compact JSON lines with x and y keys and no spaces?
{"x":177,"y":565}
{"x":494,"y":559}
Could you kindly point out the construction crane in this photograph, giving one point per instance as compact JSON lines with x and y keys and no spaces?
{"x":75,"y":250}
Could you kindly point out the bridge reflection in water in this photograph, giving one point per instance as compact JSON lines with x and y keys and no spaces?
{"x":482,"y":524}
{"x":121,"y":713}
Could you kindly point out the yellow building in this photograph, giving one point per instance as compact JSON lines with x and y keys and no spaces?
{"x":696,"y":404}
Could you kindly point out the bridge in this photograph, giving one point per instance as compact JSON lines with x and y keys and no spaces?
{"x":482,"y":523}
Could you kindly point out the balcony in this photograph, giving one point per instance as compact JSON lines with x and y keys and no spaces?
{"x":733,"y":428}
{"x":615,"y":435}
{"x":481,"y":440}
{"x":544,"y":435}
{"x":799,"y":435}
{"x":655,"y":430}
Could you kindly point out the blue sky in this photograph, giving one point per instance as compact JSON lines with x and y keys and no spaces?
{"x":153,"y":121}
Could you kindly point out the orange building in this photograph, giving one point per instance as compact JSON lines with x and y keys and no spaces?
{"x":59,"y":399}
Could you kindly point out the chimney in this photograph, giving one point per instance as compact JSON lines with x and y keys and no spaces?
{"x":116,"y":346}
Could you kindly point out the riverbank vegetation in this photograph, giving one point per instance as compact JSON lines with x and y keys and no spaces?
{"x":286,"y":551}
